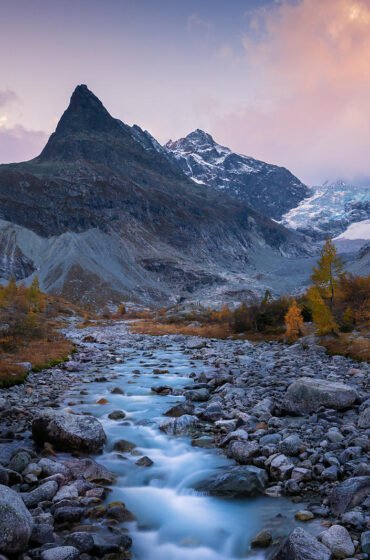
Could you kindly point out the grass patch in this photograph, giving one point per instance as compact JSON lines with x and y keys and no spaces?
{"x":154,"y":328}
{"x":350,"y":345}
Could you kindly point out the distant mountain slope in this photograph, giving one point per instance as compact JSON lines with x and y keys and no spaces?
{"x":330,"y":210}
{"x":270,"y":189}
{"x":105,"y":212}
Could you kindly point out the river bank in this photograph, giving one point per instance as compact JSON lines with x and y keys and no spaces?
{"x":192,"y":422}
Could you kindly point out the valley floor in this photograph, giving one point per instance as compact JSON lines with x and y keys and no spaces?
{"x":209,"y":441}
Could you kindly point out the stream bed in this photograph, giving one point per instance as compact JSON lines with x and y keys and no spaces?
{"x":173,"y":522}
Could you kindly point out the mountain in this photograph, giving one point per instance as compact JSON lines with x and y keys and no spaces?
{"x":270,"y":189}
{"x":330,"y":209}
{"x":105,"y":213}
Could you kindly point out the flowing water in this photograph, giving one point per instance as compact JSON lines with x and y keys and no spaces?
{"x":173,"y":521}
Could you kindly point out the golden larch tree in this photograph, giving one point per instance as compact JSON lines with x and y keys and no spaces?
{"x":327,"y":273}
{"x":321,"y":314}
{"x":293,"y":322}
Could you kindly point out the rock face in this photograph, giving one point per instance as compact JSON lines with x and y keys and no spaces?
{"x":15,"y":522}
{"x":129,"y":221}
{"x":300,"y":545}
{"x":307,"y":395}
{"x":270,"y":189}
{"x":235,"y":482}
{"x":349,"y":493}
{"x":69,"y":432}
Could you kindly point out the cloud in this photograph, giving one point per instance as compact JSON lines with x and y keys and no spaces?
{"x":19,"y":144}
{"x":308,"y":68}
{"x":199,"y":26}
{"x":7,"y":96}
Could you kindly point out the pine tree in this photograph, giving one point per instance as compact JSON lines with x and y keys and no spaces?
{"x":328,"y":272}
{"x":321,"y":314}
{"x":293,"y":322}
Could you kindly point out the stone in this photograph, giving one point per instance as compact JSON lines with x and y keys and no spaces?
{"x":281,"y":467}
{"x":117,"y":415}
{"x":60,"y":553}
{"x":184,"y":425}
{"x":365,"y":542}
{"x":263,"y":539}
{"x":90,"y":470}
{"x":16,"y":522}
{"x":19,"y":461}
{"x":304,"y":515}
{"x":65,"y":493}
{"x":339,"y":541}
{"x":235,"y":482}
{"x":197,"y":395}
{"x":291,"y":446}
{"x":50,"y":467}
{"x":42,"y":493}
{"x":300,"y":545}
{"x":81,"y":540}
{"x":69,"y":432}
{"x":349,"y":493}
{"x":243,"y":452}
{"x":144,"y":462}
{"x":307,"y":395}
{"x":364,"y":418}
{"x":123,"y":446}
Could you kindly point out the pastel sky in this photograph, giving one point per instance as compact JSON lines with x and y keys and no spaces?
{"x":286,"y":81}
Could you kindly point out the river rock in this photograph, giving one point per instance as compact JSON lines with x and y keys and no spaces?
{"x":60,"y":553}
{"x":243,"y":452}
{"x":42,"y":493}
{"x":69,"y":432}
{"x":15,"y":522}
{"x":181,"y":426}
{"x":235,"y":482}
{"x":365,"y":542}
{"x":307,"y":395}
{"x":262,"y":540}
{"x":90,"y":470}
{"x":338,"y":540}
{"x":364,"y":418}
{"x":300,"y":545}
{"x":349,"y":493}
{"x":81,"y":540}
{"x":50,"y":467}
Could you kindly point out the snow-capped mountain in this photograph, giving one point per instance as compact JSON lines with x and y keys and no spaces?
{"x":330,"y":209}
{"x":270,"y":189}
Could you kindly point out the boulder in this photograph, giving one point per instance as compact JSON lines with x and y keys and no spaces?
{"x":365,"y":542}
{"x":235,"y":482}
{"x":181,"y":426}
{"x":15,"y":522}
{"x":90,"y":470}
{"x":292,"y":445}
{"x":300,"y":545}
{"x":338,"y":540}
{"x":69,"y":432}
{"x":349,"y":493}
{"x":307,"y":395}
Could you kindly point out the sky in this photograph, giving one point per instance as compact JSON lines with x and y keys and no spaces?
{"x":285,"y":81}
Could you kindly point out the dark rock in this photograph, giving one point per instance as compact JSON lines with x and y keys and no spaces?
{"x":300,"y":545}
{"x":307,"y":395}
{"x":60,"y":553}
{"x":69,"y":431}
{"x":263,"y":539}
{"x":349,"y":493}
{"x":15,"y":522}
{"x":235,"y":482}
{"x":83,"y":541}
{"x":42,"y":493}
{"x":144,"y":462}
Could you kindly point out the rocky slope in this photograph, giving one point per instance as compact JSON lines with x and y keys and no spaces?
{"x":270,"y":189}
{"x":105,"y":213}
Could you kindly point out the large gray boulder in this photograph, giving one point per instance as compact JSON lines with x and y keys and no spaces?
{"x":15,"y":522}
{"x":184,"y":425}
{"x":300,"y":545}
{"x":243,"y":451}
{"x":69,"y":432}
{"x":235,"y":482}
{"x":349,"y":493}
{"x":339,"y":541}
{"x":307,"y":395}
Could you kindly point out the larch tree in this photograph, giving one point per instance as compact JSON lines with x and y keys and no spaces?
{"x":327,"y":273}
{"x":293,"y":322}
{"x":321,"y":314}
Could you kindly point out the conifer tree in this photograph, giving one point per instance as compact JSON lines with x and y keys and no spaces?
{"x":328,"y":272}
{"x":293,"y":322}
{"x":321,"y":314}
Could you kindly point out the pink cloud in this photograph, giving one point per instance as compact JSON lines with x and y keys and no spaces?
{"x":311,"y":82}
{"x":7,"y":96}
{"x":19,"y":144}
